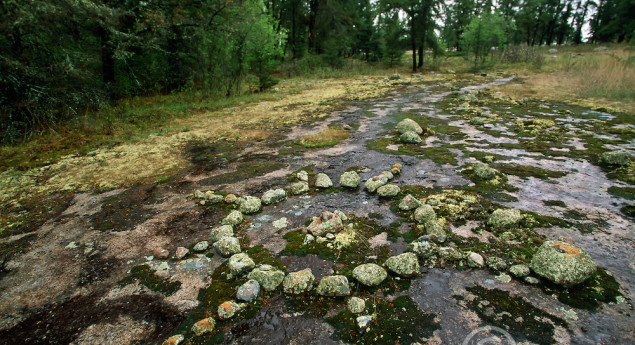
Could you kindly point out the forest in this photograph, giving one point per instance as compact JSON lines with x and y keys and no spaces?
{"x":60,"y":59}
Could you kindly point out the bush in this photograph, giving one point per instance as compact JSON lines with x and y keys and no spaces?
{"x":520,"y":54}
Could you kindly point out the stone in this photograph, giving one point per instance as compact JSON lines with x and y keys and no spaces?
{"x":388,"y":190}
{"x":553,"y":51}
{"x":342,"y":215}
{"x":221,"y":231}
{"x":174,"y":340}
{"x":299,"y":282}
{"x":405,"y":265}
{"x":363,"y":322}
{"x":410,"y":138}
{"x":496,"y":263}
{"x":240,"y":263}
{"x":424,"y":248}
{"x":248,"y":292}
{"x":308,"y":239}
{"x":335,"y":285}
{"x":504,"y":218}
{"x":233,"y":218}
{"x":519,"y":271}
{"x":181,"y":252}
{"x":232,"y":199}
{"x":273,"y":195}
{"x":302,"y":176}
{"x":228,"y":309}
{"x":280,"y":223}
{"x":532,"y":280}
{"x":203,"y":326}
{"x":227,"y":246}
{"x":475,"y":260}
{"x":450,"y":253}
{"x":356,"y":305}
{"x":389,"y":175}
{"x":395,"y":76}
{"x":326,"y":222}
{"x":323,"y":181}
{"x":250,"y":205}
{"x":298,"y":188}
{"x":562,"y":263}
{"x":375,"y":182}
{"x":619,"y":158}
{"x":267,"y":276}
{"x":201,"y":246}
{"x":369,"y":274}
{"x":477,"y":121}
{"x":504,"y":278}
{"x":484,"y":171}
{"x":424,"y":214}
{"x":409,"y":125}
{"x":409,"y":202}
{"x":350,"y":179}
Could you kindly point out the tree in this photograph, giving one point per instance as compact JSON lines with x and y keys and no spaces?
{"x":484,"y":33}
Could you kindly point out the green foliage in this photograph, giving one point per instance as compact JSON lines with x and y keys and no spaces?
{"x":394,"y":46}
{"x":484,"y":33}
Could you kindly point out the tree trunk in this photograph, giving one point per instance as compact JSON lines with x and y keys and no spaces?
{"x":413,"y":44}
{"x":420,"y":64}
{"x":107,"y":60}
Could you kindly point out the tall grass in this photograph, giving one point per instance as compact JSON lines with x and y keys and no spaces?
{"x":610,"y":75}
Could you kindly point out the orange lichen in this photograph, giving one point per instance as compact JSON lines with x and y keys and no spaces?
{"x":567,"y":249}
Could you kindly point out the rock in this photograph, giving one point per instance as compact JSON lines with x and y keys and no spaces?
{"x":342,"y":215}
{"x":174,"y":340}
{"x":484,"y":171}
{"x":496,"y":263}
{"x":477,"y":121}
{"x":563,"y":264}
{"x":335,"y":285}
{"x":240,"y":263}
{"x":232,"y":199}
{"x":410,"y":138}
{"x":350,"y":179}
{"x":356,"y":305}
{"x":423,"y":248}
{"x":504,"y":278}
{"x":519,"y":271}
{"x":228,"y":309}
{"x":389,"y":175}
{"x":250,"y":204}
{"x":280,"y":223}
{"x":619,"y":158}
{"x":323,"y":181}
{"x":159,"y":252}
{"x":553,"y":51}
{"x":532,"y":280}
{"x":221,"y":231}
{"x":405,"y":265}
{"x":450,"y":71}
{"x":204,"y":326}
{"x":181,"y":252}
{"x":273,"y":195}
{"x":330,"y":237}
{"x":388,"y":190}
{"x":233,"y":218}
{"x":375,"y":182}
{"x":299,"y":187}
{"x":369,"y":274}
{"x":308,"y":239}
{"x":409,"y":125}
{"x":267,"y":276}
{"x":227,"y":246}
{"x":409,"y":202}
{"x":424,"y":214}
{"x":298,"y":282}
{"x":450,"y":253}
{"x":395,"y":76}
{"x":504,"y":218}
{"x":302,"y":176}
{"x":249,"y":291}
{"x":475,"y":260}
{"x":363,"y":322}
{"x":201,"y":246}
{"x":327,"y":222}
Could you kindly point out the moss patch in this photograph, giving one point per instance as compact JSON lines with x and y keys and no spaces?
{"x":600,"y":288}
{"x":328,"y":137}
{"x":558,"y":203}
{"x":32,"y":214}
{"x":244,"y":171}
{"x":623,"y":192}
{"x":440,"y":155}
{"x":146,"y":277}
{"x":207,"y":157}
{"x":126,"y":210}
{"x":526,"y":171}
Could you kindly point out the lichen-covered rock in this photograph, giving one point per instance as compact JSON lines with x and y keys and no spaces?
{"x":504,"y":218}
{"x":174,"y":340}
{"x":375,"y":182}
{"x":267,"y":276}
{"x":405,"y":265}
{"x":350,"y":179}
{"x":563,"y":263}
{"x":410,"y":137}
{"x":336,"y":285}
{"x":308,"y":239}
{"x":302,"y":176}
{"x":327,"y":222}
{"x":273,"y":195}
{"x":395,"y":76}
{"x":250,"y":204}
{"x":424,"y":214}
{"x":181,"y":252}
{"x":435,"y":229}
{"x":477,"y":121}
{"x":409,"y":202}
{"x":342,"y":215}
{"x":227,"y":246}
{"x":369,"y":274}
{"x":204,"y":326}
{"x":619,"y":157}
{"x":249,"y":291}
{"x":409,"y":125}
{"x":201,"y":246}
{"x":389,"y":175}
{"x":496,"y":263}
{"x":519,"y":271}
{"x":323,"y":181}
{"x":228,"y":309}
{"x":388,"y":190}
{"x":298,"y":188}
{"x":298,"y":282}
{"x":363,"y":322}
{"x":532,"y":280}
{"x":356,"y":305}
{"x":475,"y":260}
{"x":423,"y":247}
{"x":221,"y":231}
{"x":232,"y":199}
{"x":450,"y":253}
{"x":233,"y":218}
{"x":484,"y":171}
{"x":240,"y":263}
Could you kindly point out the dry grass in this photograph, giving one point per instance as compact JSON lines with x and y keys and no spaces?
{"x":328,"y":137}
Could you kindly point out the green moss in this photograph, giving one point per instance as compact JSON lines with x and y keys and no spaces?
{"x":528,"y":171}
{"x":396,"y":322}
{"x":440,"y":155}
{"x":244,"y":170}
{"x":32,"y":214}
{"x":623,"y":192}
{"x":628,"y":210}
{"x":498,"y":308}
{"x":125,"y":210}
{"x":558,"y":203}
{"x":145,"y":276}
{"x":538,"y":220}
{"x":600,"y":288}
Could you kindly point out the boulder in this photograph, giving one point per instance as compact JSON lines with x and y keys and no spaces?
{"x":232,"y":199}
{"x":181,"y":252}
{"x":233,"y":218}
{"x":356,"y":305}
{"x":250,"y":204}
{"x":363,"y":322}
{"x":335,"y":285}
{"x":327,"y":222}
{"x":619,"y":158}
{"x":504,"y":218}
{"x":388,"y":174}
{"x":484,"y":171}
{"x":395,"y":77}
{"x":410,"y":138}
{"x":201,"y":246}
{"x":227,"y":246}
{"x":228,"y":309}
{"x":273,"y":195}
{"x":519,"y":271}
{"x":562,"y":263}
{"x":248,"y":292}
{"x":423,"y":247}
{"x":496,"y":263}
{"x":434,"y":228}
{"x":409,"y":125}
{"x":204,"y":326}
{"x":302,"y":176}
{"x":375,"y":182}
{"x":424,"y":214}
{"x":240,"y":263}
{"x":221,"y":231}
{"x":405,"y":265}
{"x":267,"y":276}
{"x":388,"y":190}
{"x":350,"y":179}
{"x":298,"y":188}
{"x":409,"y":202}
{"x":323,"y":181}
{"x":369,"y":274}
{"x":450,"y":253}
{"x":298,"y":282}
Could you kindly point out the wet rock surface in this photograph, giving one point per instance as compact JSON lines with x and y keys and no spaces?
{"x":476,"y":202}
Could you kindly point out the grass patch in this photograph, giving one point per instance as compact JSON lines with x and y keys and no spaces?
{"x":144,"y":275}
{"x":331,"y":136}
{"x":440,"y":155}
{"x":244,"y":170}
{"x":526,"y":171}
